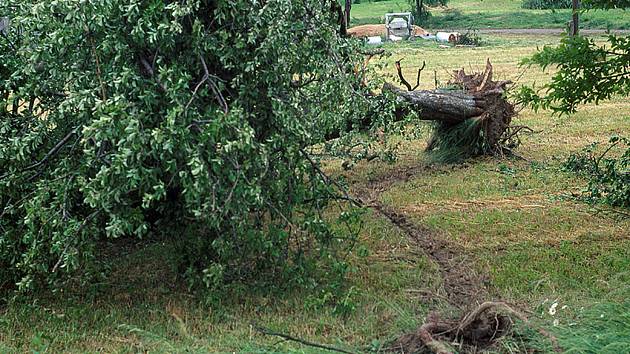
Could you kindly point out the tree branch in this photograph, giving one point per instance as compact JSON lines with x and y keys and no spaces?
{"x":83,"y":224}
{"x":149,"y":69}
{"x":213,"y":86}
{"x":298,"y":340}
{"x":402,"y":78}
{"x":330,"y":180}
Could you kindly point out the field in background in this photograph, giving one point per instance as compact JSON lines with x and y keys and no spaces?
{"x":464,"y":14}
{"x":512,"y":217}
{"x":516,"y":215}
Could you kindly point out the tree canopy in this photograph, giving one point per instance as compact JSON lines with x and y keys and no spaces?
{"x":587,"y":71}
{"x":193,"y":119}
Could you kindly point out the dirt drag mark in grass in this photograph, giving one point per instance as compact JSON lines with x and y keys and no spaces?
{"x":482,"y":323}
{"x":464,"y":287}
{"x":462,"y":284}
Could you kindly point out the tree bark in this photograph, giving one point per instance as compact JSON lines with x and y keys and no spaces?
{"x":347,"y":12}
{"x":419,"y":9}
{"x":336,"y":9}
{"x":576,"y":19}
{"x":441,"y":105}
{"x":477,"y":97}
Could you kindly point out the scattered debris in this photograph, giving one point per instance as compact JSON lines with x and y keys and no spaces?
{"x":451,"y":37}
{"x":365,"y":31}
{"x":420,"y":32}
{"x":428,"y":36}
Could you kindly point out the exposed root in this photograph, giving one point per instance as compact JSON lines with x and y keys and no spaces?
{"x":479,"y":328}
{"x":300,"y":340}
{"x":487,"y":134}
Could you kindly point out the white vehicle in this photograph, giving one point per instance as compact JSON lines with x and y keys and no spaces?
{"x":399,"y":25}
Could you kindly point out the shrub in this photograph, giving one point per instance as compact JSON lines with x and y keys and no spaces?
{"x":546,"y":4}
{"x":194,"y":118}
{"x":420,"y":11}
{"x":608,"y":176}
{"x":471,"y":37}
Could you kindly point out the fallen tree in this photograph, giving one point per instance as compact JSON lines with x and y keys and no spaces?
{"x":473,"y":116}
{"x":198,"y":134}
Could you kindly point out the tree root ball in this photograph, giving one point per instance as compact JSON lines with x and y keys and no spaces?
{"x":476,"y":330}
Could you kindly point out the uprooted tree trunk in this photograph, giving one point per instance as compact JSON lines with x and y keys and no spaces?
{"x":473,"y":117}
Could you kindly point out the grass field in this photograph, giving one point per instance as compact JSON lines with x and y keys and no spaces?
{"x":464,"y":14}
{"x":511,"y":217}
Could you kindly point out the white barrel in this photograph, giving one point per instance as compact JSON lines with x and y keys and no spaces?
{"x":447,"y":36}
{"x":375,"y":40}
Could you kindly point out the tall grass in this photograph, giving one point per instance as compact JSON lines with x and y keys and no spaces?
{"x":603,"y":328}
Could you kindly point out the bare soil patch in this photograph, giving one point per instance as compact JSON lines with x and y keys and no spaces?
{"x":462,"y":284}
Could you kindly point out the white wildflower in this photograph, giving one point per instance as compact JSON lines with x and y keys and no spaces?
{"x":556,"y":322}
{"x":552,"y":309}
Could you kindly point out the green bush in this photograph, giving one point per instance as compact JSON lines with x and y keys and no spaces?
{"x":193,"y":119}
{"x":420,"y":10}
{"x":546,"y":4}
{"x":471,"y":37}
{"x":608,"y":176}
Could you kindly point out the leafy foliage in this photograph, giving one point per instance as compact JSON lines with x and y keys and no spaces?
{"x":609,"y":176}
{"x":567,"y":4}
{"x":420,"y":11}
{"x":546,"y":4}
{"x":607,"y":4}
{"x":194,"y":119}
{"x":471,"y":37}
{"x":455,"y":143}
{"x":586,"y":73}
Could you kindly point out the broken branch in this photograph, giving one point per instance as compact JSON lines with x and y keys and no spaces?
{"x":149,"y":69}
{"x":402,"y":78}
{"x":299,"y":340}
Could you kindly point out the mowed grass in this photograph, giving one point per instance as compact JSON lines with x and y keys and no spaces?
{"x":463,"y":14}
{"x":518,"y":216}
{"x":143,"y":307}
{"x":512,"y":216}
